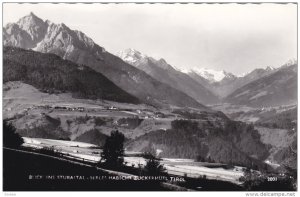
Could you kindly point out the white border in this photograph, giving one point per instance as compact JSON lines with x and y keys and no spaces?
{"x":133,"y":194}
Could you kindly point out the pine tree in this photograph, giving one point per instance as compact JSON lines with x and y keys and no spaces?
{"x":113,"y":150}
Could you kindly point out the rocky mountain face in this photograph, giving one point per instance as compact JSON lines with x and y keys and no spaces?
{"x":30,"y":32}
{"x":165,"y":73}
{"x":275,"y":89}
{"x":26,"y":33}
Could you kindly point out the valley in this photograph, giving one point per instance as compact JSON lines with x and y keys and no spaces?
{"x":76,"y":116}
{"x":59,"y":116}
{"x":65,"y":95}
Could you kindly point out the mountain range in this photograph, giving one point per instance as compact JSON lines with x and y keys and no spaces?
{"x":152,"y":81}
{"x":208,"y":86}
{"x":222,"y":84}
{"x":278,"y":88}
{"x":31,"y":32}
{"x":212,"y":76}
{"x":165,"y":73}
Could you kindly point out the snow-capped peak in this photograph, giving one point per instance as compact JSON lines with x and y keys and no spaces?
{"x":137,"y":59}
{"x":131,"y":55}
{"x":243,"y":74}
{"x":211,"y":75}
{"x":291,"y":62}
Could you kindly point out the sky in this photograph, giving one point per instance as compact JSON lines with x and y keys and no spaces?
{"x":233,"y":37}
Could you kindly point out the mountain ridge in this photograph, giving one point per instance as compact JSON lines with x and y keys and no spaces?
{"x":75,"y":46}
{"x":211,"y":75}
{"x":275,"y":89}
{"x":228,"y":85}
{"x":165,"y":73}
{"x":51,"y":73}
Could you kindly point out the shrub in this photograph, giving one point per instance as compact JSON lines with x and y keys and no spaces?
{"x":99,"y":121}
{"x":153,"y":166}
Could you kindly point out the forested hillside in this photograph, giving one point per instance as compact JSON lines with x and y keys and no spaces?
{"x":235,"y":142}
{"x":52,"y":74}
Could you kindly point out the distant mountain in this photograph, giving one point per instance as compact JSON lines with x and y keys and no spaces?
{"x":275,"y":89}
{"x":132,"y":56}
{"x":51,"y":73}
{"x":223,"y":83}
{"x":224,"y":88}
{"x":210,"y":75}
{"x":31,"y":32}
{"x":257,"y":71}
{"x":165,"y":73}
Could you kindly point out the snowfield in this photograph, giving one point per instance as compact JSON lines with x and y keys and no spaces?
{"x":210,"y":74}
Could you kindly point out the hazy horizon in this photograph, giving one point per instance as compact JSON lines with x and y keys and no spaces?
{"x":233,"y":37}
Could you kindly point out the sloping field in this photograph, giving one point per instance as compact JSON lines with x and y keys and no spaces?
{"x":179,"y":167}
{"x":51,"y":142}
{"x":25,"y":171}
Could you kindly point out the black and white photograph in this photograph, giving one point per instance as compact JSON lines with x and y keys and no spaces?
{"x":194,"y":97}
